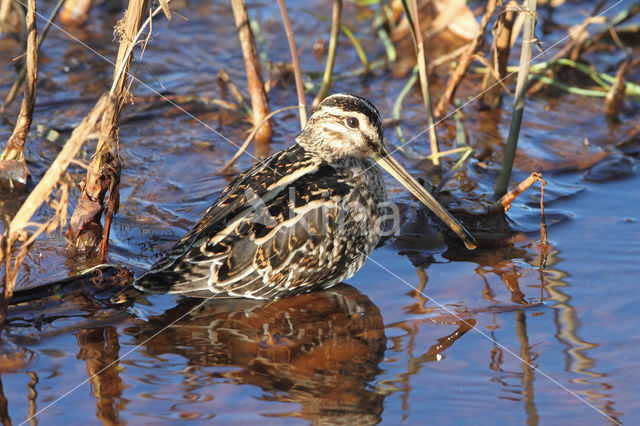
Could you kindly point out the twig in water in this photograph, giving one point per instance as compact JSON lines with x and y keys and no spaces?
{"x":574,"y":47}
{"x":518,"y":102}
{"x":302,"y":103}
{"x":504,"y":203}
{"x":336,"y":15}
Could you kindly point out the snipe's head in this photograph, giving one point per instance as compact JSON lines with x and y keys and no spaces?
{"x":344,"y":125}
{"x":347,"y":125}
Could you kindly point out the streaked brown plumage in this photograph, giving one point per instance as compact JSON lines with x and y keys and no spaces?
{"x":306,"y":217}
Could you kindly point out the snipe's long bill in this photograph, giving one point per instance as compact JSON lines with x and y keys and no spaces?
{"x":305,"y":218}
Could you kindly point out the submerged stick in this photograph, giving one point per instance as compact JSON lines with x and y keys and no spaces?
{"x":336,"y":16}
{"x":518,"y":103}
{"x":295,"y":63}
{"x":259,"y":101}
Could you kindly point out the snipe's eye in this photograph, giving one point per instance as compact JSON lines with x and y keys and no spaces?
{"x":352,"y":122}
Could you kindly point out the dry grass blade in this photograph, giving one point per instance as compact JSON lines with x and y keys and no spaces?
{"x":336,"y":17}
{"x":465,"y":61}
{"x":249,"y":138}
{"x":15,"y":145}
{"x":259,"y":101}
{"x":528,"y":38}
{"x":295,"y":63}
{"x":424,"y":84}
{"x":164,"y":4}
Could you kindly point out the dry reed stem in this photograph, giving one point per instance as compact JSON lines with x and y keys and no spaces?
{"x":15,"y":146}
{"x":424,"y":84}
{"x":465,"y":61}
{"x":249,"y":138}
{"x":492,"y":97}
{"x":50,"y":179}
{"x":336,"y":17}
{"x":5,"y":8}
{"x":103,"y":175}
{"x":511,"y":145}
{"x":302,"y":102}
{"x":11,"y":95}
{"x":615,"y":97}
{"x":259,"y":101}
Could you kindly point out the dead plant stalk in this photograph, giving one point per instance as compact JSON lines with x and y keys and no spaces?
{"x":424,"y":84}
{"x":103,"y":175}
{"x":259,"y":101}
{"x":23,"y":72}
{"x":297,"y":73}
{"x":15,"y":146}
{"x":336,"y":17}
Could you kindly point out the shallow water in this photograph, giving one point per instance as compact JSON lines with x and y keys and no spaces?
{"x":557,"y":346}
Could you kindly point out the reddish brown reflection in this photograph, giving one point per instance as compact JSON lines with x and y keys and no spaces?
{"x":100,"y":348}
{"x":320,"y":350}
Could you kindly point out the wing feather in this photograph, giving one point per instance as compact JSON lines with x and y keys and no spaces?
{"x":265,"y":233}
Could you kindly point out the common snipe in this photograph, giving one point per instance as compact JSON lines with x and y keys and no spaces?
{"x":306,"y":217}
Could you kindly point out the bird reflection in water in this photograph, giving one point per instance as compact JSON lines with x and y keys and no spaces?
{"x":320,"y":349}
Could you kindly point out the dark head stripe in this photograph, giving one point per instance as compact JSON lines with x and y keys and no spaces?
{"x":349,"y":102}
